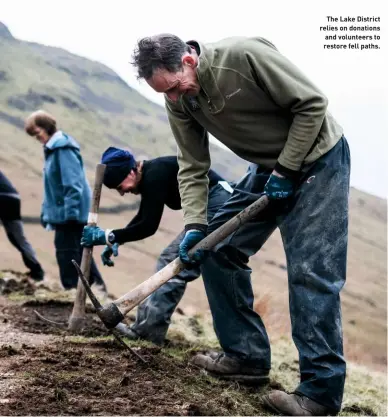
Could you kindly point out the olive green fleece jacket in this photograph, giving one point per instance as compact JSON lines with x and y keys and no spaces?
{"x":258,"y":104}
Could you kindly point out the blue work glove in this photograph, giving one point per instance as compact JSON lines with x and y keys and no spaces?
{"x":278,"y":188}
{"x":108,"y":252}
{"x":92,"y":236}
{"x":191,"y":238}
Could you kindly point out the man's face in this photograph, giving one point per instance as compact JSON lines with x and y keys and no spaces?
{"x":41,"y":135}
{"x":129,"y":185}
{"x":176,"y":84}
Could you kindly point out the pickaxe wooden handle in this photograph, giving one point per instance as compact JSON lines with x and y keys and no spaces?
{"x":78,"y":315}
{"x":111,"y":314}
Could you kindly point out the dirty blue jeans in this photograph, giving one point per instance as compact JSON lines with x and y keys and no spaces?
{"x":314,"y":230}
{"x":154,"y":314}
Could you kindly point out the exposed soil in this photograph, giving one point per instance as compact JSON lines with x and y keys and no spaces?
{"x":30,"y":315}
{"x":43,"y":372}
{"x":23,"y":317}
{"x":18,"y":282}
{"x":99,"y":378}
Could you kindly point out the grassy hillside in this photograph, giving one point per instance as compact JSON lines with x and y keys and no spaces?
{"x":92,"y":103}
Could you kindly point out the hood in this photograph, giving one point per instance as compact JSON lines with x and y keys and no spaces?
{"x":61,"y":140}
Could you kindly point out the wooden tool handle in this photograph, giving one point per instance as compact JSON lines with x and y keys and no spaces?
{"x":143,"y":290}
{"x":78,"y":312}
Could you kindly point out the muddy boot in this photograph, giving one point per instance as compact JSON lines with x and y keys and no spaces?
{"x":225,"y":367}
{"x":37,"y":274}
{"x":294,"y":405}
{"x":36,"y":277}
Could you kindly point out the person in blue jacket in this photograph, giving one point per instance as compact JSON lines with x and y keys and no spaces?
{"x":67,"y":195}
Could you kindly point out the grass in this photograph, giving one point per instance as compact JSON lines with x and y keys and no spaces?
{"x":132,"y":120}
{"x":20,"y":296}
{"x":41,"y":295}
{"x":365,"y":391}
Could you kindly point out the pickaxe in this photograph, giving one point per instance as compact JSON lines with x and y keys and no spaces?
{"x":78,"y":315}
{"x":111,"y":315}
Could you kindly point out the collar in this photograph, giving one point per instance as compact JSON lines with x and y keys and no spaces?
{"x":58,"y":134}
{"x":206,"y":77}
{"x":144,"y":168}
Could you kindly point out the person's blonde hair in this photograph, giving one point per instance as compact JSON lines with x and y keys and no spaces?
{"x":40,"y":119}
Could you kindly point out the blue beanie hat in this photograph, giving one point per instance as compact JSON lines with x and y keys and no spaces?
{"x":119,"y":164}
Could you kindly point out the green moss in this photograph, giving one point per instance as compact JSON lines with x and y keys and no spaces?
{"x":19,"y":296}
{"x":85,"y":340}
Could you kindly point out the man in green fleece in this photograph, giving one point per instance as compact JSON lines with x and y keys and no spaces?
{"x":254,"y":100}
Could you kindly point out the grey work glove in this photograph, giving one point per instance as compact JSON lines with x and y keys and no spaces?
{"x":108,"y":252}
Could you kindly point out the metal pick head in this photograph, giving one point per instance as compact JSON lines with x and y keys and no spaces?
{"x":100,"y":309}
{"x":93,"y":299}
{"x":117,"y":336}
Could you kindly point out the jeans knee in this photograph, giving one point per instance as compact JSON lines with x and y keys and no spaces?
{"x":232,"y":255}
{"x":316,"y":276}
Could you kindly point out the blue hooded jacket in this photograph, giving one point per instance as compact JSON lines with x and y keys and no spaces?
{"x":66,"y":190}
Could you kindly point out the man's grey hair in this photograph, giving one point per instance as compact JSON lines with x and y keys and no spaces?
{"x":162,"y":51}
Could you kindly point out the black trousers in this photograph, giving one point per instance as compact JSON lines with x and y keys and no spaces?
{"x":68,"y":246}
{"x":11,"y":219}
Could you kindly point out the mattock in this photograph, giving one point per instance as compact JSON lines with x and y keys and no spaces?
{"x":111,"y":315}
{"x":97,"y":305}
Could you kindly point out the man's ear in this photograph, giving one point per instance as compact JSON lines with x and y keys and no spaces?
{"x":189,"y":60}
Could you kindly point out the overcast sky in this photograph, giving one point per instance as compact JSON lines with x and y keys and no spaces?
{"x":355,"y":81}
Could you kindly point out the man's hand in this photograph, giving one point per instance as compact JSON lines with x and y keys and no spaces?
{"x":92,"y":236}
{"x":108,"y":252}
{"x":191,"y":238}
{"x":278,"y":187}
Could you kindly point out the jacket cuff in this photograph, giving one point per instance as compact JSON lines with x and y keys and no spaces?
{"x":196,"y":226}
{"x":120,"y":236}
{"x":287,"y":172}
{"x":107,"y":232}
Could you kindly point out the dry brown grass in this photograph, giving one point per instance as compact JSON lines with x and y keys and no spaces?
{"x":262,"y":304}
{"x":356,"y":353}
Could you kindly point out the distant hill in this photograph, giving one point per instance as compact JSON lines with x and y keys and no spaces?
{"x":90,"y":101}
{"x":95,"y":105}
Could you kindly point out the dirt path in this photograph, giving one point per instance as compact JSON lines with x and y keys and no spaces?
{"x":11,"y":340}
{"x":94,"y":379}
{"x":44,"y":370}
